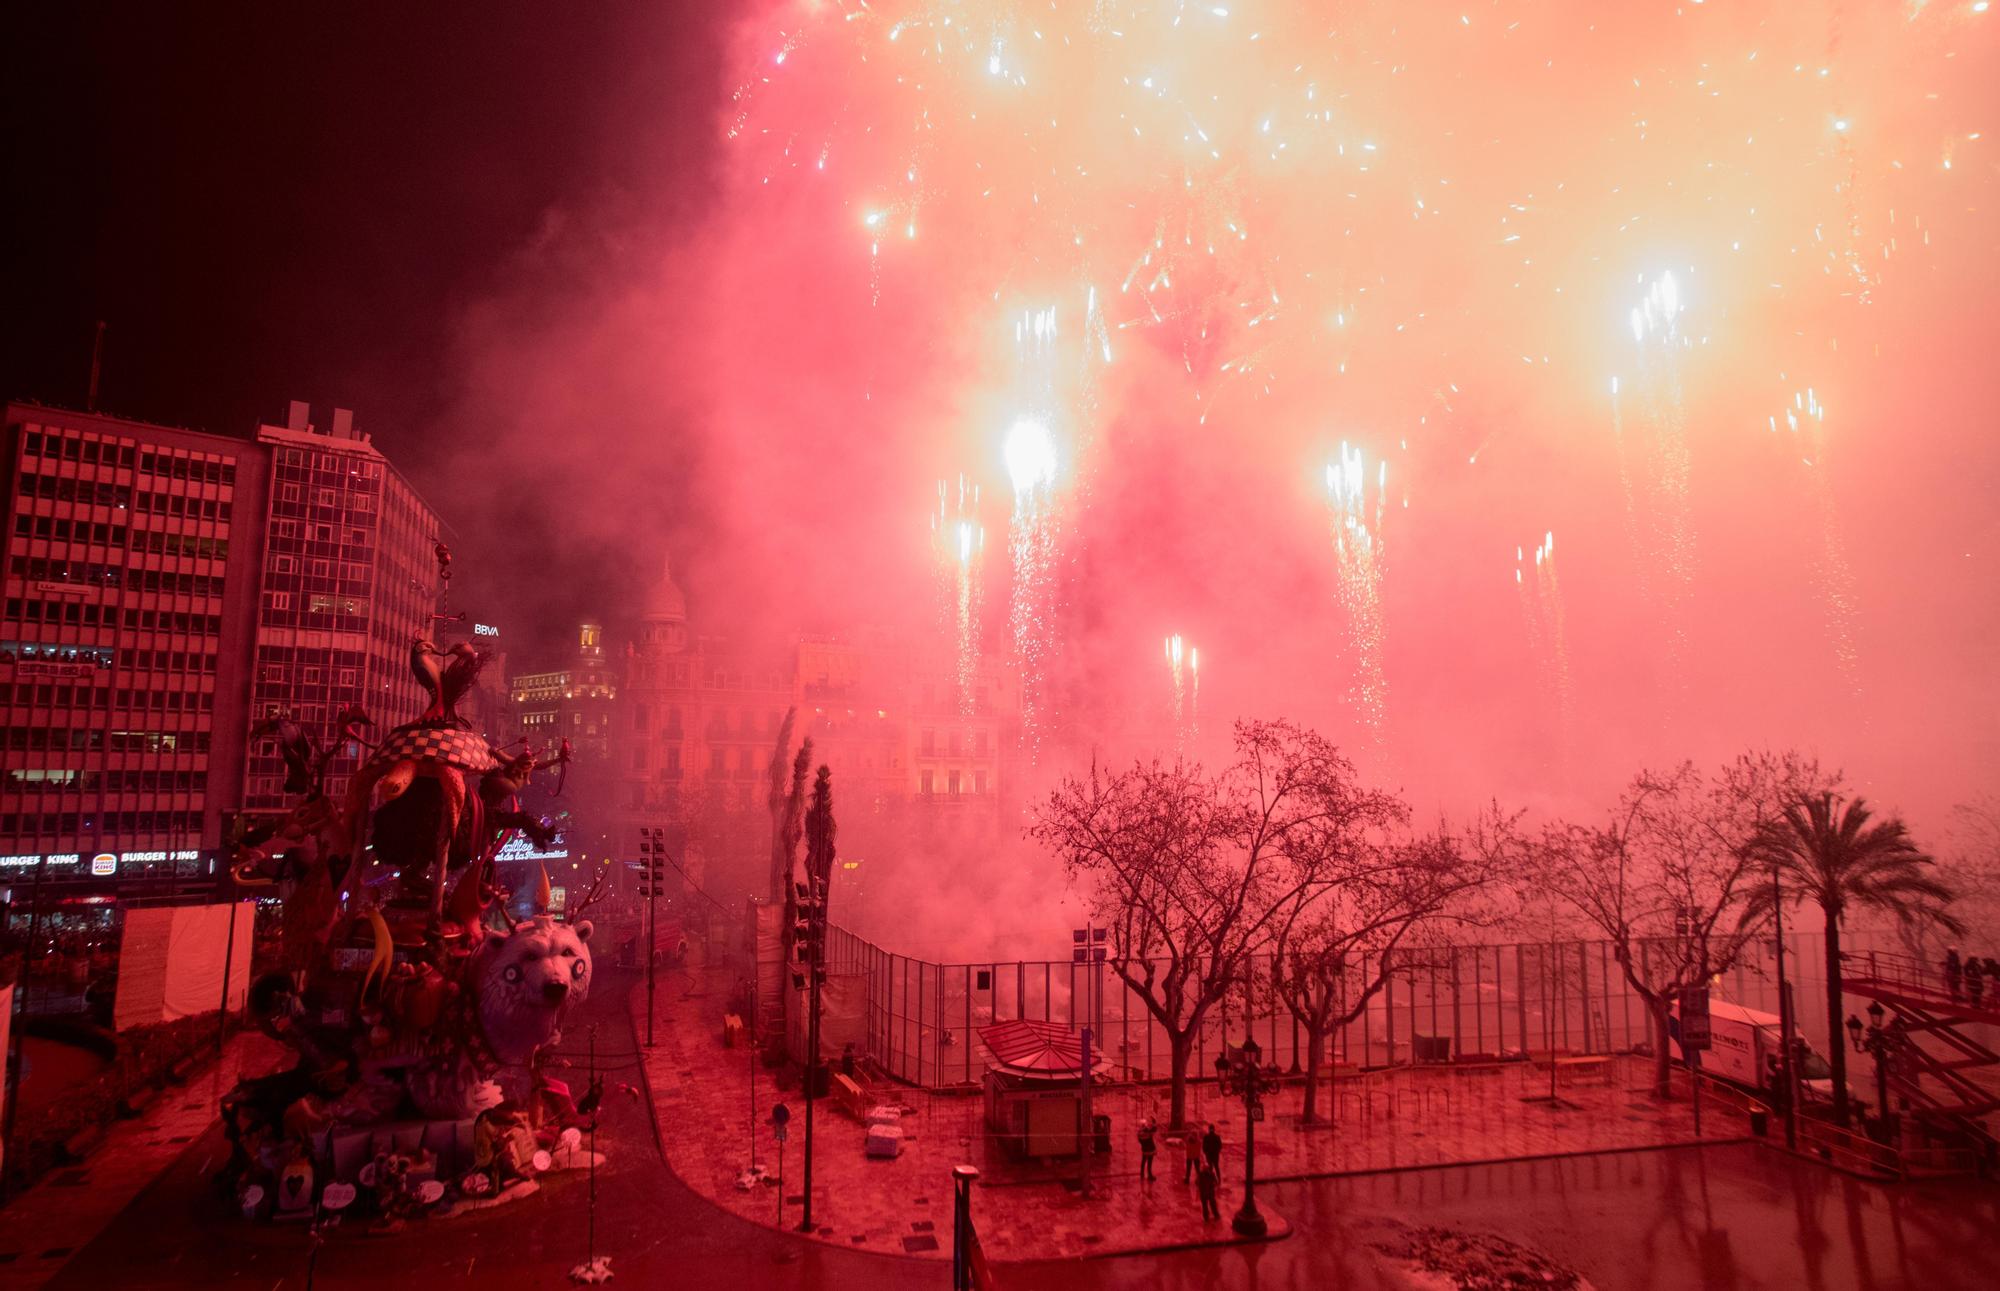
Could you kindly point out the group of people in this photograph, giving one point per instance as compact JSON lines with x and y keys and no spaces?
{"x":1970,"y":977}
{"x":1203,"y":1166}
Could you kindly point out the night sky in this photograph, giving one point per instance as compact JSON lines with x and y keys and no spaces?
{"x":270,"y":202}
{"x":749,"y":283}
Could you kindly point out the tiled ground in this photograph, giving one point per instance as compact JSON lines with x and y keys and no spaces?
{"x":1030,"y":1210}
{"x":42,"y":1227}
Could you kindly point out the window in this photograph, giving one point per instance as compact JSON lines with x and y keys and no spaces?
{"x":928,"y":784}
{"x":979,"y":744}
{"x":929,"y":745}
{"x":952,"y":780}
{"x":979,"y":782}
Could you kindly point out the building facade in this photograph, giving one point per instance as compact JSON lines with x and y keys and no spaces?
{"x":131,"y":558}
{"x":349,"y":578}
{"x":696,"y":725}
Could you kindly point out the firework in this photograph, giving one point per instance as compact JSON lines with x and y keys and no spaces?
{"x":1805,"y":421}
{"x":1184,"y":690}
{"x":1029,"y":452}
{"x":1356,"y":513}
{"x":1542,"y":614}
{"x":1666,"y":554}
{"x":958,"y":541}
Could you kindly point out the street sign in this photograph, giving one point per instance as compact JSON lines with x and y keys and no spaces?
{"x":1257,"y":1112}
{"x":780,"y":1114}
{"x":1695,"y":1029}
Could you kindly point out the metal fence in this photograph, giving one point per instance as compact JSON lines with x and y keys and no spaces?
{"x":922,"y":1019}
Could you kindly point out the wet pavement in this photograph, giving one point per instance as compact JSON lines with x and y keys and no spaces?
{"x":1723,"y":1216}
{"x":1726,"y":1218}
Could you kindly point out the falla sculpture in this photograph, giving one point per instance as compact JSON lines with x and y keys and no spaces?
{"x":422,"y":1018}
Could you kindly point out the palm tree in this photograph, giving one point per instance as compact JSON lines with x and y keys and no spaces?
{"x":1838,"y":860}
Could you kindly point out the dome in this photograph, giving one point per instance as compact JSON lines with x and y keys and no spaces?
{"x":666,"y":602}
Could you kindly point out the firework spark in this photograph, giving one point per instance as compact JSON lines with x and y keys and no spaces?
{"x":1184,"y":690}
{"x":1667,"y":554}
{"x":1805,"y":421}
{"x":958,"y":541}
{"x":1356,"y":511}
{"x":1543,"y":615}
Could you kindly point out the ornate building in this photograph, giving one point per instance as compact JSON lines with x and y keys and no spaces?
{"x":697,"y":722}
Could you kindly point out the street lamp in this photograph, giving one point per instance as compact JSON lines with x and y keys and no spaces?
{"x":1243,"y":1075}
{"x":1880,"y":1043}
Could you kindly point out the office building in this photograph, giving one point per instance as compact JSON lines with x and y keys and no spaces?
{"x":349,"y":579}
{"x":131,"y":568}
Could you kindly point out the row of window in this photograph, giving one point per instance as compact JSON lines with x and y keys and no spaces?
{"x":61,"y":530}
{"x":104,"y":493}
{"x":89,"y":614}
{"x":121,"y":781}
{"x":296,"y":463}
{"x":72,"y":448}
{"x":47,"y":652}
{"x":355,"y":572}
{"x":83,"y":573}
{"x":297,"y":497}
{"x":203,"y":468}
{"x":285,"y":603}
{"x":72,"y":824}
{"x":58,"y":738}
{"x":954,"y":783}
{"x":927,"y":743}
{"x":275,"y":677}
{"x":46,"y":695}
{"x":178,"y":507}
{"x":158,"y":542}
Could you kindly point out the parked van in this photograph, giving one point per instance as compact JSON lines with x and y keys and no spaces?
{"x":1741,"y":1043}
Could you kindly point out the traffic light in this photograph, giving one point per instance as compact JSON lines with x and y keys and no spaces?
{"x":652,"y":863}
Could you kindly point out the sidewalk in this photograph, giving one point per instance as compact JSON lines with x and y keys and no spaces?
{"x":700,"y":1093}
{"x":44,"y":1226}
{"x":1028,"y":1210}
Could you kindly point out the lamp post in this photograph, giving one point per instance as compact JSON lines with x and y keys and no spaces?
{"x":1087,"y":948}
{"x":1880,"y":1043}
{"x":1787,"y":1067}
{"x":1243,"y":1075}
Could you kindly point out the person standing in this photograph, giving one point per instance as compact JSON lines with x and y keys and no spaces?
{"x":1146,"y":1147}
{"x":1975,"y":981}
{"x":1204,"y":1182}
{"x":1211,"y":1147}
{"x":1191,"y":1145}
{"x":1954,"y":972}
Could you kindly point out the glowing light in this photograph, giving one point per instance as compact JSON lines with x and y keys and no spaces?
{"x":1031,"y":456}
{"x":1356,"y":512}
{"x":1184,"y":690}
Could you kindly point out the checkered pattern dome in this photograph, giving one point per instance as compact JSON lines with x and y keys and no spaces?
{"x":463,"y":749}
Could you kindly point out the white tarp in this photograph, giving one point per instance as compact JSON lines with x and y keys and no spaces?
{"x":170,"y":962}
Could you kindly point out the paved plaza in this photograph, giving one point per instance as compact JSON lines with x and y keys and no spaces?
{"x":1404,"y":1119}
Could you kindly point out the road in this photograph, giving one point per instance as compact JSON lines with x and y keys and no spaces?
{"x":1738,"y":1218}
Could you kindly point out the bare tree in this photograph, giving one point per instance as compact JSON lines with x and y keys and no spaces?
{"x":1374,"y":887}
{"x":1187,"y":870}
{"x":1669,"y":874}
